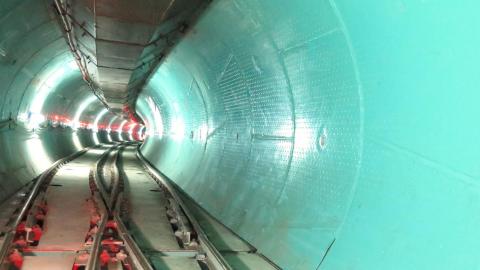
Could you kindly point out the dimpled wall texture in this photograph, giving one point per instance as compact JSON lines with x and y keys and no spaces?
{"x":264,"y":116}
{"x":339,"y":126}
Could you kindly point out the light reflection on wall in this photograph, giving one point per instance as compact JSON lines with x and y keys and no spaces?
{"x":49,"y":79}
{"x":177,"y":129}
{"x":81,"y":109}
{"x":130,"y":131}
{"x":140,"y":133}
{"x":155,"y":128}
{"x":177,"y":132}
{"x":120,"y":130}
{"x":95,"y":125}
{"x":203,"y":130}
{"x":304,"y":134}
{"x":97,"y":119}
{"x":50,"y":82}
{"x":31,"y":120}
{"x":76,"y":141}
{"x":109,"y":128}
{"x":95,"y":138}
{"x":36,"y":150}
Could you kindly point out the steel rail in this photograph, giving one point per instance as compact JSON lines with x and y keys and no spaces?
{"x":97,"y":176}
{"x":112,"y":203}
{"x":214,"y":257}
{"x":44,"y":177}
{"x":115,"y":180}
{"x":138,"y":258}
{"x":95,"y":249}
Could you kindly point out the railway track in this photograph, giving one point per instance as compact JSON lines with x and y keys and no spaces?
{"x":189,"y":250}
{"x":109,"y":209}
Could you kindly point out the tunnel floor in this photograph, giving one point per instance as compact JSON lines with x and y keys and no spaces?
{"x":109,"y":201}
{"x":68,"y":215}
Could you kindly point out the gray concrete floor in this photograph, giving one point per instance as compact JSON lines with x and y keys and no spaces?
{"x":171,"y":263}
{"x":238,"y":253}
{"x":67,"y":221}
{"x":68,"y":217}
{"x":220,"y":236}
{"x":149,"y":224}
{"x":152,"y":230}
{"x":62,"y":262}
{"x":247,"y":261}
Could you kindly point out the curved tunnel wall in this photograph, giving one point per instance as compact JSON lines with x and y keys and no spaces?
{"x":46,"y":110}
{"x":329,"y":134}
{"x":344,"y":127}
{"x":265,"y":119}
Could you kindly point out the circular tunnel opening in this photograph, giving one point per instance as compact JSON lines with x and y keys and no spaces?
{"x":314,"y":130}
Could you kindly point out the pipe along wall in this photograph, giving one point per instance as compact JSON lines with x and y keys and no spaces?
{"x":330,"y":134}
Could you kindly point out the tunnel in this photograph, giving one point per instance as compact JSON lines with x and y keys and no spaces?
{"x":328,"y":134}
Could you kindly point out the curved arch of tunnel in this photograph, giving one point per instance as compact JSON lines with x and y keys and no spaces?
{"x":320,"y":132}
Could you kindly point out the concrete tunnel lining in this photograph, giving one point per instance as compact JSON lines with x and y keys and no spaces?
{"x":328,"y":134}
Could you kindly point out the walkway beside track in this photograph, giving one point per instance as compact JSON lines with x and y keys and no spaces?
{"x":68,"y":217}
{"x":238,"y":253}
{"x":148,"y":220}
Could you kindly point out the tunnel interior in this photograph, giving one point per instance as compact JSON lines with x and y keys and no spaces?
{"x":329,"y":134}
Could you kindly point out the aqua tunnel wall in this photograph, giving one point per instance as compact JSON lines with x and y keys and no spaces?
{"x":346,"y":127}
{"x":329,"y":134}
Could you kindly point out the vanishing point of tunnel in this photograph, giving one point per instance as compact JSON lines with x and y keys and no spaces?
{"x":239,"y":134}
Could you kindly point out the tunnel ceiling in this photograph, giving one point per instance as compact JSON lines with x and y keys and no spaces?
{"x":119,"y":43}
{"x":40,"y":77}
